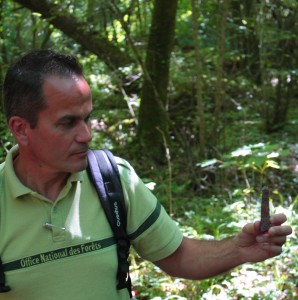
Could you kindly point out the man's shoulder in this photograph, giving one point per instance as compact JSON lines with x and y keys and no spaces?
{"x":6,"y":165}
{"x":8,"y":159}
{"x":127,"y":172}
{"x":121,"y":162}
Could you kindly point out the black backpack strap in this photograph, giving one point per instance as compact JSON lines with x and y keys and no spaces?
{"x":3,"y":288}
{"x":106,"y":178}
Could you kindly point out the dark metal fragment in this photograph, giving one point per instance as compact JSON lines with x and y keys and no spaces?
{"x":265,"y":213}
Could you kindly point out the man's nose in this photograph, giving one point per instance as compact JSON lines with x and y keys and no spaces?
{"x":84,"y":133}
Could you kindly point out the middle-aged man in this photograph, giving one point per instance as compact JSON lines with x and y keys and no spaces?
{"x":43,"y":180}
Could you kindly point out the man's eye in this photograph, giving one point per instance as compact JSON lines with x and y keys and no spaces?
{"x":68,"y":124}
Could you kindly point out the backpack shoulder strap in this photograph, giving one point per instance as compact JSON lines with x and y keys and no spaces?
{"x":3,"y":288}
{"x":105,"y":176}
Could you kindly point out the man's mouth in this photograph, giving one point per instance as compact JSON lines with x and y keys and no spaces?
{"x":80,"y":153}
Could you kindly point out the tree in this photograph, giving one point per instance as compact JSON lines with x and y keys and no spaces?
{"x":199,"y":84}
{"x":219,"y":91}
{"x":153,"y":118}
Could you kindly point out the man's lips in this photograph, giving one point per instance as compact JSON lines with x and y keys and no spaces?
{"x":80,"y":153}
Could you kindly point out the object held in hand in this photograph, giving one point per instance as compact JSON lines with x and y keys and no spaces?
{"x":265,"y":214}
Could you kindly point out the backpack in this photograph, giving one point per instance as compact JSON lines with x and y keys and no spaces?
{"x":105,"y":176}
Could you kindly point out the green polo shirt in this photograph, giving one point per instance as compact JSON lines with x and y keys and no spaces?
{"x":76,"y":259}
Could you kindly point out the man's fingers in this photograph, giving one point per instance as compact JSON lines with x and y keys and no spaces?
{"x":279,"y":241}
{"x":273,"y":250}
{"x":275,"y":240}
{"x":280,"y":230}
{"x":275,"y":235}
{"x":278,"y":219}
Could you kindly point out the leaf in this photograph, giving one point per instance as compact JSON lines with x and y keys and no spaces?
{"x":270,"y":164}
{"x":241,"y":152}
{"x":256,"y":160}
{"x":208,"y":163}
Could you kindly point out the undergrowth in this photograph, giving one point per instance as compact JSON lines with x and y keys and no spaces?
{"x":273,"y":279}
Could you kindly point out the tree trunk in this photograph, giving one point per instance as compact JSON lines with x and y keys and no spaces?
{"x":199,"y":83}
{"x":153,"y":119}
{"x":281,"y":86}
{"x":219,"y":88}
{"x":3,"y":55}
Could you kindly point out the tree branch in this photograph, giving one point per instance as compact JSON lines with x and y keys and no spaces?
{"x":79,"y":31}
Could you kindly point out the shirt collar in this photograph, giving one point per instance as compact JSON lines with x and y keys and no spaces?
{"x":16,"y":187}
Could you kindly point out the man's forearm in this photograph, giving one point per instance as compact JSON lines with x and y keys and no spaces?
{"x":200,"y":259}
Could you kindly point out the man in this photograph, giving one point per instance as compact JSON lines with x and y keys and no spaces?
{"x":53,"y":231}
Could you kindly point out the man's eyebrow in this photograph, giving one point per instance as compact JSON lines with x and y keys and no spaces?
{"x":74,"y":117}
{"x":69,"y":117}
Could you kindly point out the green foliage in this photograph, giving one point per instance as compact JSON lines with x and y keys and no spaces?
{"x":254,"y":166}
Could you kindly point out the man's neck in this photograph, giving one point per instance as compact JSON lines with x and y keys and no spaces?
{"x":46,"y":183}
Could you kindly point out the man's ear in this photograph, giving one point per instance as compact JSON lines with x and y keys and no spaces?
{"x":19,"y":128}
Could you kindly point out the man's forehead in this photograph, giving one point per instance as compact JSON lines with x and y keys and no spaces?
{"x":68,"y":97}
{"x":64,"y":82}
{"x":74,"y":87}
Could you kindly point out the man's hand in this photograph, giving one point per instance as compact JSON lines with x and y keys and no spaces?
{"x":255,"y":246}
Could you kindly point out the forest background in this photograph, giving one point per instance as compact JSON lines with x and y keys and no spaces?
{"x":201,"y":98}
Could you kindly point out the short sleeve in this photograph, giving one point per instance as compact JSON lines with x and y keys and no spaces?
{"x":153,"y":233}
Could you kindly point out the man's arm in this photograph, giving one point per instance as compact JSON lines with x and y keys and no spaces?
{"x":199,"y":259}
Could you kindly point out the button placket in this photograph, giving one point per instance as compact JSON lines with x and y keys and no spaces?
{"x":58,"y":230}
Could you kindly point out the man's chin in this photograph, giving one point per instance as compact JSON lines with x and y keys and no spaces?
{"x":78,"y":166}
